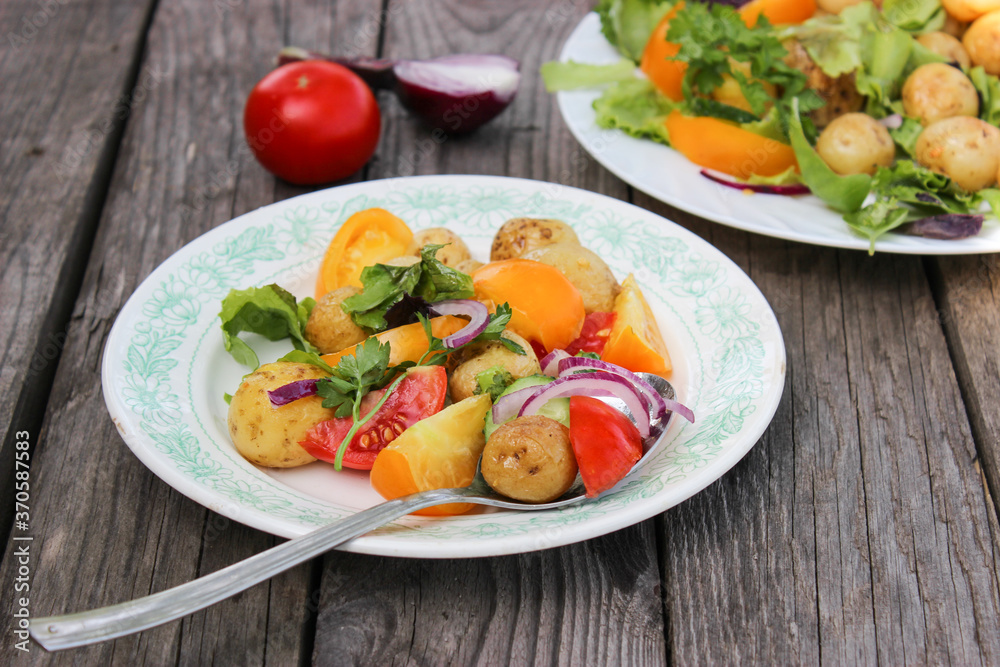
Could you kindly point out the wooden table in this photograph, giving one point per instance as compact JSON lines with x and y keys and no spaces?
{"x":862,"y":528}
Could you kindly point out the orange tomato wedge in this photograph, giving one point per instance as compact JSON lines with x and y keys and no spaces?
{"x":716,"y":144}
{"x":778,"y":12}
{"x":666,"y":75}
{"x":545,"y":306}
{"x":439,"y":452}
{"x":408,"y":342}
{"x":367,"y":237}
{"x":636,"y":342}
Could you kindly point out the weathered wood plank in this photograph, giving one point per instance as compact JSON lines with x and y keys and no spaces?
{"x":183,"y":168}
{"x":592,"y":603}
{"x":857,"y":530}
{"x":969,"y":298}
{"x":66,"y":72}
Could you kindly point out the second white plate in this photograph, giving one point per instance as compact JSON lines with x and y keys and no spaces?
{"x":665,"y":174}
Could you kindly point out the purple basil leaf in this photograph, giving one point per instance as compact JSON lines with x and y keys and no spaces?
{"x":948,"y":227}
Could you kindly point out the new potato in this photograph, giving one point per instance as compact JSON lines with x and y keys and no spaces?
{"x":947,"y":46}
{"x":269,"y":435}
{"x":585,"y":269}
{"x":520,"y":235}
{"x":936,"y":91}
{"x":329,"y":328}
{"x":453,"y":252}
{"x":856,"y":143}
{"x":482,"y":356}
{"x":530,"y":459}
{"x":967,"y":150}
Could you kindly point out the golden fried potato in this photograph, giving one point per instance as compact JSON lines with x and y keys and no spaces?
{"x":936,"y":91}
{"x":982,"y":41}
{"x":856,"y":143}
{"x":840,"y":93}
{"x":582,"y":267}
{"x":329,"y":328}
{"x":520,"y":235}
{"x":269,"y":435}
{"x":453,"y":252}
{"x":947,"y":46}
{"x":530,"y":459}
{"x":479,"y":357}
{"x":966,"y":150}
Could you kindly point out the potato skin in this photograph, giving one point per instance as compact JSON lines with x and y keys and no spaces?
{"x":520,"y":235}
{"x":967,"y":150}
{"x":453,"y":252}
{"x":982,"y":41}
{"x":585,"y":269}
{"x":530,"y":459}
{"x":329,"y":328}
{"x":479,"y":357}
{"x":468,"y":266}
{"x":936,"y":91}
{"x":856,"y":143}
{"x":267,"y":435}
{"x":947,"y":46}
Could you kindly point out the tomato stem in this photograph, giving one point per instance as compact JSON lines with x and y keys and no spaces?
{"x":360,"y":421}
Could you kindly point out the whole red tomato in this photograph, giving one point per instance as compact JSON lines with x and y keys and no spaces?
{"x":312,"y":122}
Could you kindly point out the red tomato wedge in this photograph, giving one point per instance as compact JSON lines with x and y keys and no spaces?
{"x":605,"y":442}
{"x":594,"y":335}
{"x":420,"y":395}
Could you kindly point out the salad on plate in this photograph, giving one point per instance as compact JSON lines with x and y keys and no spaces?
{"x":888,"y":114}
{"x":414,"y":360}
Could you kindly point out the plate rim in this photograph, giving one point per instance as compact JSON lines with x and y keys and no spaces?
{"x":429,"y":549}
{"x":587,"y":27}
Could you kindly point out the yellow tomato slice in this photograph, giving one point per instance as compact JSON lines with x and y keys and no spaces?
{"x":636,"y":342}
{"x":545,"y":306}
{"x":439,"y":452}
{"x":408,"y":342}
{"x":367,"y":237}
{"x":666,"y":74}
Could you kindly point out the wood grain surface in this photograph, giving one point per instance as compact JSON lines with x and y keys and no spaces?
{"x":861,"y":529}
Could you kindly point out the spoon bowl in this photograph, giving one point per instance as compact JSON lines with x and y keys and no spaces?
{"x":90,"y":627}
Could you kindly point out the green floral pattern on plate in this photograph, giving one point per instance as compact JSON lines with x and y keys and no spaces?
{"x":730,"y":347}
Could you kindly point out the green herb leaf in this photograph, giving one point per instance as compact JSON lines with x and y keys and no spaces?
{"x":303,"y":357}
{"x":627,"y":24}
{"x":876,"y":219}
{"x":269,"y":311}
{"x":493,"y":381}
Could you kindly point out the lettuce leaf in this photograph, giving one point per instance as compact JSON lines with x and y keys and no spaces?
{"x":572,"y":75}
{"x":915,"y":16}
{"x":988,"y":88}
{"x":627,"y":24}
{"x":637,"y":108}
{"x":269,"y":311}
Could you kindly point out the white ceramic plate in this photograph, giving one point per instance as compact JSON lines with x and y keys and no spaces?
{"x":665,"y":174}
{"x":165,"y":369}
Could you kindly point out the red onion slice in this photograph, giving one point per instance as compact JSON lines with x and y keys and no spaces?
{"x":654,"y":402}
{"x":598,"y":383}
{"x":292,"y":391}
{"x":797,"y":189}
{"x":477,"y":313}
{"x":550,"y":362}
{"x":509,"y":405}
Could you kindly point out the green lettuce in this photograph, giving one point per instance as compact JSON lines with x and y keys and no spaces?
{"x":572,"y":75}
{"x":916,"y":16}
{"x":637,"y":108}
{"x":627,"y":24}
{"x":988,"y":88}
{"x":269,"y":311}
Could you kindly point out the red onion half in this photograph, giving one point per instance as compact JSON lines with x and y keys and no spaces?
{"x":595,"y":384}
{"x":292,"y":391}
{"x":509,"y":405}
{"x":477,"y":313}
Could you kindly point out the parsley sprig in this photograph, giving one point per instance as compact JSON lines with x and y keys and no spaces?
{"x":711,"y":38}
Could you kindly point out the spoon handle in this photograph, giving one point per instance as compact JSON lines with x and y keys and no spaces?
{"x":90,"y":627}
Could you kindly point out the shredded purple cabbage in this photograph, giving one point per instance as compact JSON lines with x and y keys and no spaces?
{"x":797,"y":189}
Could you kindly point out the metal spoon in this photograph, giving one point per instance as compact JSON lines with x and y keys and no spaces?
{"x":55,"y":633}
